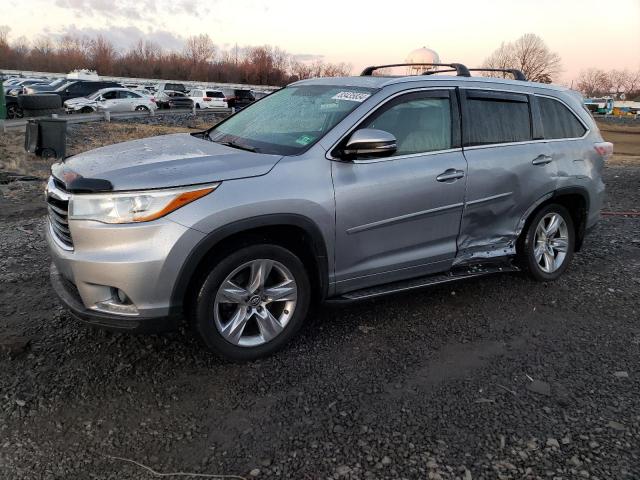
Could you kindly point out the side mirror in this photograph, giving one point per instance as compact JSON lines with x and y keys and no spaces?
{"x":370,"y":142}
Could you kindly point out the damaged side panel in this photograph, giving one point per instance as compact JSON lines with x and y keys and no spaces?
{"x":503,"y":188}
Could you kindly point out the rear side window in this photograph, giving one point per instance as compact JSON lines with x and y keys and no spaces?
{"x":497,"y":118}
{"x":558,"y":121}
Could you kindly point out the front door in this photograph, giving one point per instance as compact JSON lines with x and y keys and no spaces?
{"x":398,"y":217}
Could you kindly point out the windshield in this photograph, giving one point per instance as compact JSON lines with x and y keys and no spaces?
{"x":291,"y":120}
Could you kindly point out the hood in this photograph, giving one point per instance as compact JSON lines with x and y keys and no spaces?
{"x":160,"y":162}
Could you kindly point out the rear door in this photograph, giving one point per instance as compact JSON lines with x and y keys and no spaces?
{"x":398,"y":217}
{"x":510,"y":170}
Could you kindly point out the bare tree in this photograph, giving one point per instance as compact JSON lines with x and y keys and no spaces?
{"x":529,"y":54}
{"x":618,"y":79}
{"x":199,"y":48}
{"x":594,"y":82}
{"x":631,"y":85}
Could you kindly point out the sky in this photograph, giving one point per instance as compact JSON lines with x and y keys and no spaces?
{"x":585,"y":33}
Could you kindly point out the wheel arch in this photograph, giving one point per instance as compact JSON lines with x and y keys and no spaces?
{"x":309,"y":244}
{"x":574,"y":199}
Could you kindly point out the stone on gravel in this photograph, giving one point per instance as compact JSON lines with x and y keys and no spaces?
{"x":616,"y":426}
{"x":540,"y":387}
{"x":553,"y":443}
{"x":621,"y":374}
{"x":14,"y":344}
{"x":255,"y":472}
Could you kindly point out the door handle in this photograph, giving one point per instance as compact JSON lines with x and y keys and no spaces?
{"x":542,"y":159}
{"x":450,"y":174}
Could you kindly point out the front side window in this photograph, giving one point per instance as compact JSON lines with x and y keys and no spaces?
{"x":558,"y":121}
{"x":112,"y":95}
{"x":291,"y":120}
{"x":419,"y":124}
{"x":497,"y":120}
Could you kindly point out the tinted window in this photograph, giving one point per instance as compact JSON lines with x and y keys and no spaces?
{"x":214,"y":94}
{"x":497,"y":120}
{"x":558,"y":121}
{"x":244,"y":94}
{"x":76,"y":87}
{"x":110,"y":95}
{"x":419,"y":124}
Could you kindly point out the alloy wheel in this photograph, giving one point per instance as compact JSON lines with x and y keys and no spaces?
{"x":255,"y":302}
{"x":551,"y":242}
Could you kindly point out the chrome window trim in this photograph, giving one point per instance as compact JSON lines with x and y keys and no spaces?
{"x":379,"y":105}
{"x":328,"y":155}
{"x":408,"y":155}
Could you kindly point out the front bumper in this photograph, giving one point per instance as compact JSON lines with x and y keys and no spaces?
{"x":69,"y":296}
{"x":140,"y":260}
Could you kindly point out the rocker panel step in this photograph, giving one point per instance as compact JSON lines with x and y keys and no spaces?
{"x":421,"y":282}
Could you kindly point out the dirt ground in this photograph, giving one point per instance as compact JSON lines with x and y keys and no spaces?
{"x":495,"y":378}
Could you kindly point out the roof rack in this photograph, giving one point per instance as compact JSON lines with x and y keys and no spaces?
{"x":460,"y":69}
{"x":517,"y":74}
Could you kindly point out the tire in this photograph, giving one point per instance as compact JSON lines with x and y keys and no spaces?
{"x":141,"y":108}
{"x":197,"y":106}
{"x":14,"y":111}
{"x":87,"y":110}
{"x":265,"y":326}
{"x":40,"y":101}
{"x":546,"y":257}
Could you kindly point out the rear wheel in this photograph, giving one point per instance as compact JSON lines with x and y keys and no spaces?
{"x":14,"y":111}
{"x":548,"y":243}
{"x":252,"y":302}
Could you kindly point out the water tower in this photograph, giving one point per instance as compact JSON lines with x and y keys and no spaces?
{"x":421,"y":55}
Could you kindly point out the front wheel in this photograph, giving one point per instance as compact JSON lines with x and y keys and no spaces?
{"x":548,"y":243}
{"x":142,"y":108}
{"x":252,"y":302}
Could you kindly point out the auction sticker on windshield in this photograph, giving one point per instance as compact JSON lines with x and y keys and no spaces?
{"x":352,"y":96}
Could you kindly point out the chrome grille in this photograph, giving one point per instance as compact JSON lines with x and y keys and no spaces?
{"x":58,"y":208}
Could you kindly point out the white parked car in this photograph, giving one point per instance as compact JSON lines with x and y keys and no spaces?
{"x":112,"y":100}
{"x":203,"y":98}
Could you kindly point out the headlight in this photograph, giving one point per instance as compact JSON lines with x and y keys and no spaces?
{"x":132,"y":207}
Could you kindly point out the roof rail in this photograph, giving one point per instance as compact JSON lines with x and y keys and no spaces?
{"x":517,"y":74}
{"x":459,"y":68}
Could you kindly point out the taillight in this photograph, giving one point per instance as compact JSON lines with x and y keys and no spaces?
{"x":153,"y":99}
{"x":604,"y":149}
{"x":206,"y":99}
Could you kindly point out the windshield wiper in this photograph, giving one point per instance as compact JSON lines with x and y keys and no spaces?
{"x":239,"y":146}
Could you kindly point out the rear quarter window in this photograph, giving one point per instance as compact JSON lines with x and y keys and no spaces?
{"x":494,"y":120}
{"x":558,"y":121}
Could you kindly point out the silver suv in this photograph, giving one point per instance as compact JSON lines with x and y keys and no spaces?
{"x":331,"y":189}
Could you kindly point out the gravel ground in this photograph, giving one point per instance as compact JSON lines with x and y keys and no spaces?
{"x":495,"y":378}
